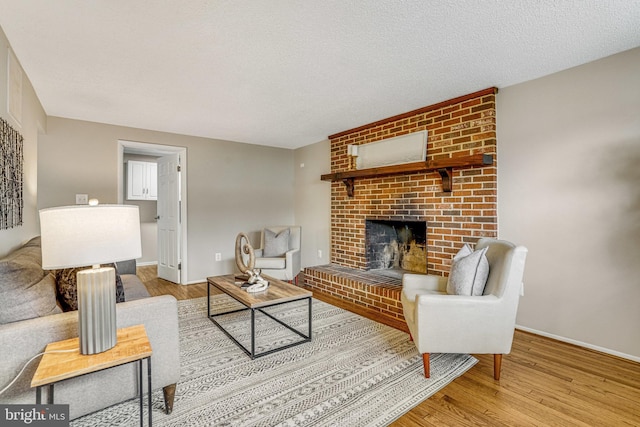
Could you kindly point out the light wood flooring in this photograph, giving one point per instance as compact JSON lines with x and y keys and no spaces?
{"x":544,"y":382}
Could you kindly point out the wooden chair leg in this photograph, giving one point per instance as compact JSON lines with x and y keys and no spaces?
{"x":425,"y":362}
{"x":169,"y":395}
{"x":497,"y":365}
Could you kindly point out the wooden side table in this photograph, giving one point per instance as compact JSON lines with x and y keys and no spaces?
{"x":132,"y":345}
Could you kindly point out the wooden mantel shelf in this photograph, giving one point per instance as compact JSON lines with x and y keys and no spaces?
{"x":443,"y":166}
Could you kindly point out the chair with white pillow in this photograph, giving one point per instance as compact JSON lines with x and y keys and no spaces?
{"x":471,"y":311}
{"x":279,"y":252}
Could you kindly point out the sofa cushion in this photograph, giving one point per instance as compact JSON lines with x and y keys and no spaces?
{"x":126,"y":267}
{"x":24,"y":265}
{"x":67,"y":287}
{"x":276,"y":244}
{"x":26,"y":290}
{"x":133,"y":287}
{"x":469,"y":272}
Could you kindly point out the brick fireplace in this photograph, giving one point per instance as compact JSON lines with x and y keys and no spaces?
{"x":459,"y":127}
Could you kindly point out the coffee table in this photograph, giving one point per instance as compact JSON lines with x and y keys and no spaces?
{"x":277,"y":293}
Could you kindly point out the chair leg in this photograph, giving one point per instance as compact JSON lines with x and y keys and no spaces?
{"x":497,"y":365}
{"x":425,"y":362}
{"x":169,"y":395}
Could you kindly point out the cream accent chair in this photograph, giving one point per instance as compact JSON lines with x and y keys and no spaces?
{"x":285,"y":267}
{"x":442,"y":323}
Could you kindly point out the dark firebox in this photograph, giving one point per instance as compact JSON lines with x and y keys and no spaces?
{"x":396,"y":245}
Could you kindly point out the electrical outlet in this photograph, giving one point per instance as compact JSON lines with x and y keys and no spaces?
{"x":218,"y":256}
{"x":319,"y":253}
{"x":82,"y":199}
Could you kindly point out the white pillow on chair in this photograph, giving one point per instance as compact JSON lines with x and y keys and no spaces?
{"x":469,"y":272}
{"x":276,"y":244}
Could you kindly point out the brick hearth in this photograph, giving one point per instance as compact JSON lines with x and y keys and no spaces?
{"x":364,"y":288}
{"x":458,"y":127}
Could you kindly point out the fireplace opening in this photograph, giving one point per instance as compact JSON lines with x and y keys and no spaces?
{"x":396,"y":247}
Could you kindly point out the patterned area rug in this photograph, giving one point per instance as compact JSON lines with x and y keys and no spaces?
{"x":355,"y":372}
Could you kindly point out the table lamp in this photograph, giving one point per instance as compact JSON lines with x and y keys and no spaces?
{"x":77,"y":236}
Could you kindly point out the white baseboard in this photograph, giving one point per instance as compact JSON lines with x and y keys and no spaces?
{"x":580,"y":343}
{"x":144,"y":264}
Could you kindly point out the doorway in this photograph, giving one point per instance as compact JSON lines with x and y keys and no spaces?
{"x":173,"y":243}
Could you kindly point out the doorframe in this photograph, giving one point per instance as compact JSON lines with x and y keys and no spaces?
{"x":151,"y":149}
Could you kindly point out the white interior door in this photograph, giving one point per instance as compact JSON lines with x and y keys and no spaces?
{"x":169,"y":224}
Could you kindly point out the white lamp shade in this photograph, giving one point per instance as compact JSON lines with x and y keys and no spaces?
{"x":77,"y":236}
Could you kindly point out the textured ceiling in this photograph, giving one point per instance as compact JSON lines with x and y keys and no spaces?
{"x":288,"y":73}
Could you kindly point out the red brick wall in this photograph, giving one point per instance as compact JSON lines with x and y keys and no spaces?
{"x":462,"y":126}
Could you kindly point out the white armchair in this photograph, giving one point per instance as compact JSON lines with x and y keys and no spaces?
{"x":279,"y":252}
{"x":442,"y":323}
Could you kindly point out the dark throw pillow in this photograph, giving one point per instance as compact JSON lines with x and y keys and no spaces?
{"x":67,"y":287}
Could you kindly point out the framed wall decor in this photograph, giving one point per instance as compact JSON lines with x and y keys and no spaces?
{"x":14,"y":87}
{"x":11,"y":176}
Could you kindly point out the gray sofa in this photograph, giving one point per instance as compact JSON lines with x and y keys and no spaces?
{"x":31,"y":318}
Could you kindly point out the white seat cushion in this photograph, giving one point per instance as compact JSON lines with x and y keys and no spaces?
{"x":409,"y":301}
{"x":271,"y":263}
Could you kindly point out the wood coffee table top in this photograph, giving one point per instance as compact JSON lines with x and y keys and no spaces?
{"x":277,"y":292}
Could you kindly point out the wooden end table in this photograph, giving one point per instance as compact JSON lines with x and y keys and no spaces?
{"x":277,"y":293}
{"x":132,"y":345}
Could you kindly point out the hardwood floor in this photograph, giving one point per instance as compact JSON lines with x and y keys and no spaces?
{"x":544,"y":382}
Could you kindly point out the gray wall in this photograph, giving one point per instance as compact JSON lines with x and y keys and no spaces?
{"x":33,"y":120}
{"x":569,"y":190}
{"x":232,"y":187}
{"x":569,"y":146}
{"x":312,"y":201}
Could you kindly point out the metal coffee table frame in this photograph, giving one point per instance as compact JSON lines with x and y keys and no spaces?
{"x":252,"y":352}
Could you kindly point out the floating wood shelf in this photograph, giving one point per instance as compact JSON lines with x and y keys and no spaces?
{"x":443,"y":166}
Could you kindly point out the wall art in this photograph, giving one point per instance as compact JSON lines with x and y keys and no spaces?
{"x":11,"y":176}
{"x":14,"y":87}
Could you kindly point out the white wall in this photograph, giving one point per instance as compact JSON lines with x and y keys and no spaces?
{"x":232,"y":187}
{"x":569,"y":190}
{"x":33,"y":120}
{"x":313,"y":201}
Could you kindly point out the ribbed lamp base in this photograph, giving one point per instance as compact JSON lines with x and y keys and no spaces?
{"x":97,"y":309}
